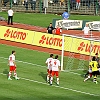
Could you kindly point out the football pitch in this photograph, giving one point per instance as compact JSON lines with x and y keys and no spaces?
{"x":32,"y":84}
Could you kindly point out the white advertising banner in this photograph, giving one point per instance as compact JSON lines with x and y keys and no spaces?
{"x":94,"y":25}
{"x":69,"y":24}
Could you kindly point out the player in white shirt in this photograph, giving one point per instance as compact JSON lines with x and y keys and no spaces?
{"x":12,"y":65}
{"x":55,"y":69}
{"x":10,"y":16}
{"x":49,"y":67}
{"x":86,"y":30}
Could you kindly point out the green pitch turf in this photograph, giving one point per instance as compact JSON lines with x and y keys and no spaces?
{"x":43,"y":20}
{"x":32,"y":84}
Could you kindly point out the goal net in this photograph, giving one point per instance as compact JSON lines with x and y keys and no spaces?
{"x":77,"y":51}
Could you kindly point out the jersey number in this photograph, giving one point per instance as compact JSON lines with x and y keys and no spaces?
{"x":55,"y":62}
{"x":92,"y":64}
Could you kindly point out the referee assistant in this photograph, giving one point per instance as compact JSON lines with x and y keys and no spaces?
{"x":10,"y":16}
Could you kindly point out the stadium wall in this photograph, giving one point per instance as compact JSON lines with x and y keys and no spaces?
{"x":79,"y":46}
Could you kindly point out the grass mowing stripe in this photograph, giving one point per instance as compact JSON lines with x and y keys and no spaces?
{"x":25,"y":62}
{"x":3,"y":62}
{"x":42,"y":66}
{"x":56,"y":86}
{"x":38,"y":65}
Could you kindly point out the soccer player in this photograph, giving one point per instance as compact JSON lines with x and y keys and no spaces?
{"x":58,"y":30}
{"x":55,"y":69}
{"x":94,"y":65}
{"x":86,"y":30}
{"x":97,"y":59}
{"x":49,"y":67}
{"x":50,"y":29}
{"x":10,"y":16}
{"x":89,"y":73}
{"x":12,"y":64}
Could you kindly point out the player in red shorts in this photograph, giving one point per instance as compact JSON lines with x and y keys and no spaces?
{"x":55,"y":69}
{"x":49,"y":67}
{"x":12,"y":65}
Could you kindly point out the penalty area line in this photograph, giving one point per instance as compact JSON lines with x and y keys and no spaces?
{"x":86,"y":93}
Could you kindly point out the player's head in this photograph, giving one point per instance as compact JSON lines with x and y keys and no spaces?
{"x":50,"y":24}
{"x":56,"y":57}
{"x":13,"y":52}
{"x":93,"y":59}
{"x":57,"y":26}
{"x":51,"y":55}
{"x":87,"y":25}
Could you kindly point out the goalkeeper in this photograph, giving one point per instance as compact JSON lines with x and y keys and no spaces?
{"x":94,"y":66}
{"x":97,"y":59}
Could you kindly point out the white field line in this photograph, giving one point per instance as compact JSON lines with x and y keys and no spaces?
{"x":42,"y":66}
{"x":33,"y":64}
{"x":57,"y":86}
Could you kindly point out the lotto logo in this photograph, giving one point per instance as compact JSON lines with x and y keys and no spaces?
{"x":89,"y":47}
{"x":15,"y":34}
{"x":50,"y":41}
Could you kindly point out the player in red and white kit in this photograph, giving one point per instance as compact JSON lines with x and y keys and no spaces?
{"x":58,"y":30}
{"x":55,"y":69}
{"x":49,"y":67}
{"x":12,"y":65}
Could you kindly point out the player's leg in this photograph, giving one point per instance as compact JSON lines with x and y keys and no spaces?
{"x":52,"y":75}
{"x":8,"y":20}
{"x":15,"y":74}
{"x":86,"y":74}
{"x":89,"y":76}
{"x":95,"y":77}
{"x":10,"y":72}
{"x":11,"y":20}
{"x":48,"y":75}
{"x":57,"y":77}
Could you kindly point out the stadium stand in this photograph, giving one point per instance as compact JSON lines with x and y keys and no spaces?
{"x":90,"y":7}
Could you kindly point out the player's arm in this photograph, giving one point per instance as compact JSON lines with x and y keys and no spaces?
{"x":46,"y":62}
{"x":59,"y":68}
{"x":53,"y":31}
{"x":14,"y":63}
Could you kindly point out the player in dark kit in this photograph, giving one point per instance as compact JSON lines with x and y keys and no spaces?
{"x":50,"y":29}
{"x":97,"y":59}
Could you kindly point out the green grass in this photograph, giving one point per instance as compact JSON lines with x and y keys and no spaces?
{"x":32,"y":70}
{"x":32,"y":84}
{"x":43,"y":20}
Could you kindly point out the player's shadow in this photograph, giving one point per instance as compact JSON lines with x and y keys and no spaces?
{"x":43,"y":75}
{"x":6,"y":72}
{"x":83,"y":74}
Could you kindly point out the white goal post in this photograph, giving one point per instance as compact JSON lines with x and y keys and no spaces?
{"x":79,"y":45}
